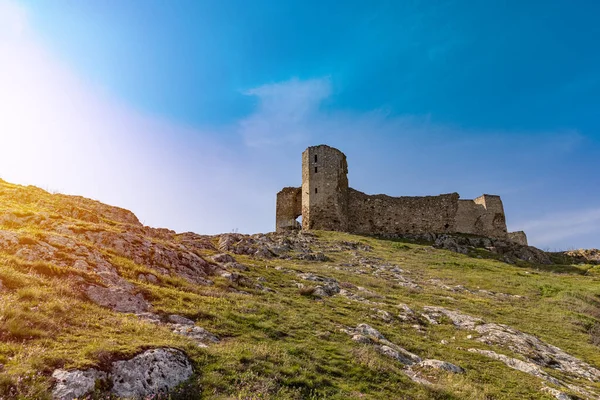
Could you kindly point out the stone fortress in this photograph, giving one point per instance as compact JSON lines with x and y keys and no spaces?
{"x":326,"y":202}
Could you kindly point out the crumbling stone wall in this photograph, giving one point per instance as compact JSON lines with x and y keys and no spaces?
{"x":289,"y":207}
{"x":399,"y":215}
{"x":326,"y":202}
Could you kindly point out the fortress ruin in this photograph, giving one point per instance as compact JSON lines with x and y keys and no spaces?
{"x":326,"y":202}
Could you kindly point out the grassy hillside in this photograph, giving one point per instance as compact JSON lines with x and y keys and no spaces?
{"x":285,"y":311}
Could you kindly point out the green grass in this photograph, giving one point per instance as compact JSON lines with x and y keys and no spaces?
{"x":288,"y":344}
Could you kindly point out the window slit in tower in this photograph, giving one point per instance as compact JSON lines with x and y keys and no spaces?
{"x":316,"y":191}
{"x":316,"y":169}
{"x":315,"y":158}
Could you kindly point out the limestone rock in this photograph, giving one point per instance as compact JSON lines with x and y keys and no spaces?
{"x":8,"y":239}
{"x":223,"y":258}
{"x":152,"y":372}
{"x":405,"y":314}
{"x":178,"y":319}
{"x":441,"y":365}
{"x":264,"y":253}
{"x":460,"y":320}
{"x":529,"y":346}
{"x":236,"y":265}
{"x":149,"y":317}
{"x":510,"y":250}
{"x":558,"y":395}
{"x":117,"y":299}
{"x":196,"y":333}
{"x":366,"y":334}
{"x":368,"y":330}
{"x":326,"y":290}
{"x":519,"y":365}
{"x":75,"y":384}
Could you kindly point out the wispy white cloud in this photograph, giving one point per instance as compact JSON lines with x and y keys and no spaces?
{"x":555,"y":229}
{"x":285,"y":111}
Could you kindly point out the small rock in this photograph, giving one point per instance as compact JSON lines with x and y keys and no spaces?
{"x":326,"y":290}
{"x":117,"y":299}
{"x":8,"y":239}
{"x":178,"y":319}
{"x":406,"y":313}
{"x":443,"y":365}
{"x":237,"y":266}
{"x":558,"y":395}
{"x":81,"y":264}
{"x":384,"y":315}
{"x":199,"y":335}
{"x":75,"y":384}
{"x":367,"y":330}
{"x":263,"y":252}
{"x":150,"y":317}
{"x":361,"y":339}
{"x":223,"y":258}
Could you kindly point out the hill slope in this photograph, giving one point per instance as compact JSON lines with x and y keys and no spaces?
{"x":91,"y":301}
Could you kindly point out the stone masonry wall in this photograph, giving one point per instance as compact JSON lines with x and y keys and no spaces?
{"x":289,"y":207}
{"x":482,"y":216}
{"x":398,"y":215}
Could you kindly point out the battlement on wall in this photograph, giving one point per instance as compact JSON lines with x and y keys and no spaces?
{"x":326,"y":202}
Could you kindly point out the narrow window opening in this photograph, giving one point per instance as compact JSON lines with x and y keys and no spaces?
{"x":316,"y":191}
{"x":315,"y":158}
{"x":316,"y":169}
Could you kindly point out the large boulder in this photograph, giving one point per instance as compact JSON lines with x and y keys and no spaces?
{"x":152,"y":372}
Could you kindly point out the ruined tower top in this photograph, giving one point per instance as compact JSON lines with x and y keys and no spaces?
{"x":324,"y":189}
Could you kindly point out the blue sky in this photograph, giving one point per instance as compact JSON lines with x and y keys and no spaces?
{"x":194,"y":113}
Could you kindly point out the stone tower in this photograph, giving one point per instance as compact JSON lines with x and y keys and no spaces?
{"x":324,"y":189}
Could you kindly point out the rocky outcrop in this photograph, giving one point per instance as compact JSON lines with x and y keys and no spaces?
{"x":118,"y":299}
{"x":150,"y":373}
{"x":325,"y":286}
{"x":530,"y":347}
{"x":510,"y":251}
{"x":366,"y":334}
{"x":581,"y":256}
{"x":441,"y":365}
